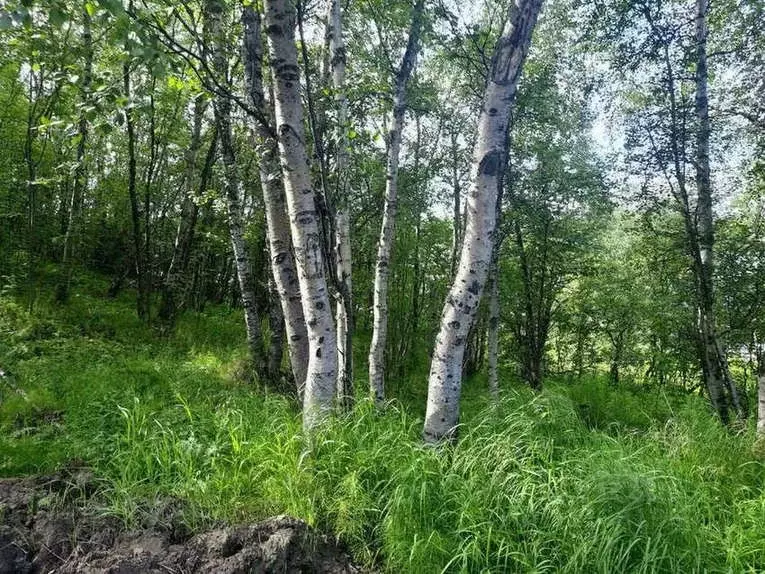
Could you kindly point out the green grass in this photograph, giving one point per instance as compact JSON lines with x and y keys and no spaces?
{"x":582,"y":478}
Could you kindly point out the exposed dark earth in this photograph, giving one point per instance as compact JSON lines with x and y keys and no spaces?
{"x":49,"y":524}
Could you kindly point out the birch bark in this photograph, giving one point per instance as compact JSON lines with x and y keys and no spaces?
{"x":277,"y":329}
{"x":719,"y":381}
{"x":222,"y":109}
{"x":343,"y":266}
{"x":385,"y":244}
{"x":445,"y":380}
{"x":321,"y":373}
{"x":283,"y":268}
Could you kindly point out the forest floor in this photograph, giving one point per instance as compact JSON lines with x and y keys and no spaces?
{"x":108,"y":429}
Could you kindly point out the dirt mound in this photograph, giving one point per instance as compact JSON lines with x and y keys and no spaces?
{"x":45,"y":526}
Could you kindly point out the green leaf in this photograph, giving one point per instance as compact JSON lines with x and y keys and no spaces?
{"x":112,"y":6}
{"x":57,"y":17}
{"x":91,"y":9}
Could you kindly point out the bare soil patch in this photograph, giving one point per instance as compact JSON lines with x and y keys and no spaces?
{"x":47,"y":525}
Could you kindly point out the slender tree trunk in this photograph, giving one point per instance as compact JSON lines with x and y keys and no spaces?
{"x":144,"y":291}
{"x":343,"y":267}
{"x":31,"y":186}
{"x":385,"y":244}
{"x":493,"y":322}
{"x":493,"y":328}
{"x":698,"y":225}
{"x":276,"y":327}
{"x":445,"y":381}
{"x":222,"y":108}
{"x":715,"y":360}
{"x":175,"y":275}
{"x":321,"y":376}
{"x":178,"y":290}
{"x":71,"y":237}
{"x":142,"y":305}
{"x":277,"y":223}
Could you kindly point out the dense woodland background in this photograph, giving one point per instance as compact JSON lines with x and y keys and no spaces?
{"x":209,"y":225}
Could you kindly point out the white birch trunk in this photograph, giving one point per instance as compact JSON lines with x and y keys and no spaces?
{"x":222,"y":109}
{"x":385,"y":244}
{"x":343,"y":267}
{"x":445,"y":380}
{"x":283,"y":268}
{"x":321,"y":373}
{"x":718,"y":377}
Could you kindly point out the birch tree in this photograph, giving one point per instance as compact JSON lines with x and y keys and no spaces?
{"x":321,"y":375}
{"x":666,"y":108}
{"x":214,"y":11}
{"x":489,"y":155}
{"x":285,"y":275}
{"x":715,"y":362}
{"x":385,"y":243}
{"x":342,"y":251}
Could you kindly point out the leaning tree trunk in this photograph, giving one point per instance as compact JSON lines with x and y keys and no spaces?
{"x":343,"y":267}
{"x":321,"y":375}
{"x":283,"y":268}
{"x":71,"y":237}
{"x":445,"y":380}
{"x":715,"y":360}
{"x":222,"y":109}
{"x":385,"y":244}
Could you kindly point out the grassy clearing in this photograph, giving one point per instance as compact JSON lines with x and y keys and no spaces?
{"x":582,"y":478}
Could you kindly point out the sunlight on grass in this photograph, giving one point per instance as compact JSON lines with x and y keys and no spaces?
{"x":206,"y":361}
{"x":580,"y":478}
